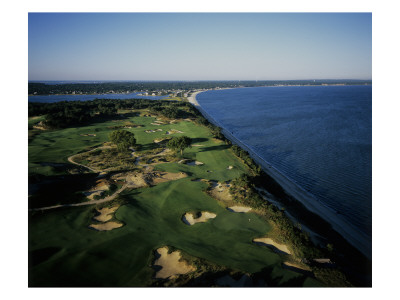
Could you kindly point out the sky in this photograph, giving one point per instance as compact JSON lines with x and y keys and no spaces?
{"x":199,"y":46}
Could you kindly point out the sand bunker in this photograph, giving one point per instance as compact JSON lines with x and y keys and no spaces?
{"x":152,"y":131}
{"x":102,"y":185}
{"x":160,"y":177}
{"x":172,"y":131}
{"x":106,"y":226}
{"x":170,"y":264}
{"x":136,"y":180}
{"x":195,"y":163}
{"x":230,"y":167}
{"x":204,"y":216}
{"x":271,"y":242}
{"x":105,"y":213}
{"x":220,"y":191}
{"x":239,"y":209}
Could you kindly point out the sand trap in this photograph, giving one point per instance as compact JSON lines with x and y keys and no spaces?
{"x":204,"y":216}
{"x":106,"y":226}
{"x":271,"y":242}
{"x":160,"y":140}
{"x":155,"y":124}
{"x":230,"y":167}
{"x":105,"y":213}
{"x":170,"y":264}
{"x":152,"y":131}
{"x":297,"y":266}
{"x":136,"y":180}
{"x":197,"y":145}
{"x":172,"y":131}
{"x":102,"y":185}
{"x":323,"y":260}
{"x":239,"y":209}
{"x":160,"y":177}
{"x":195,"y":163}
{"x":220,"y":191}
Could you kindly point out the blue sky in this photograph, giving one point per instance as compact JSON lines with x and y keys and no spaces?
{"x":199,"y":46}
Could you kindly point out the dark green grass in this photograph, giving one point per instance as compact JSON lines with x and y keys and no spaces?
{"x":78,"y":256}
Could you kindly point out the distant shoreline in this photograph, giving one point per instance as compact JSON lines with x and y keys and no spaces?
{"x":277,"y":85}
{"x":339,"y":224}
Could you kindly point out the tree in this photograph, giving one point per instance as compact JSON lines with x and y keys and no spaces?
{"x":123,"y":139}
{"x":180,"y":143}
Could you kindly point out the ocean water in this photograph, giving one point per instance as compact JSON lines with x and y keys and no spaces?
{"x":320,"y":137}
{"x":57,"y":98}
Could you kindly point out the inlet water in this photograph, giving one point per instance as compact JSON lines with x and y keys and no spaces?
{"x":320,"y":137}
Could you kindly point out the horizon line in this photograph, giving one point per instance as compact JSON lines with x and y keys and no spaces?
{"x":194,"y":80}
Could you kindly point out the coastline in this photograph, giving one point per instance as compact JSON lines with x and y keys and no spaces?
{"x":338,"y":223}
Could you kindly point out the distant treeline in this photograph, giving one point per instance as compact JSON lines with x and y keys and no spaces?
{"x":123,"y":87}
{"x":73,"y":113}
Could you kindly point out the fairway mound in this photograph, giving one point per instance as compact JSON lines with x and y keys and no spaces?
{"x":106,"y":226}
{"x":155,"y":178}
{"x":290,"y":265}
{"x":271,"y":242}
{"x":204,"y":216}
{"x":220,"y":191}
{"x":239,"y":209}
{"x":40,"y":126}
{"x":164,"y":152}
{"x":244,"y":281}
{"x":161,"y":140}
{"x":170,"y":264}
{"x":105,"y":213}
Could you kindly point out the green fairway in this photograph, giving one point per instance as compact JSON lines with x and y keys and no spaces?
{"x":152,"y":217}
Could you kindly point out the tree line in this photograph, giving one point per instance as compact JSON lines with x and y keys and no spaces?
{"x":68,"y":113}
{"x":123,"y":87}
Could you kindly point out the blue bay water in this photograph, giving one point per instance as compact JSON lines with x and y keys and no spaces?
{"x":57,"y":98}
{"x":320,"y":137}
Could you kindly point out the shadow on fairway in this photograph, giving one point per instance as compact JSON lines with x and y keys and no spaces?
{"x":215,"y":148}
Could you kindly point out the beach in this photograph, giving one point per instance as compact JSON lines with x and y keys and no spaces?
{"x":339,"y":224}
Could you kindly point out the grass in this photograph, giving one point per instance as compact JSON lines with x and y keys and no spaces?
{"x":65,"y":252}
{"x":152,"y":218}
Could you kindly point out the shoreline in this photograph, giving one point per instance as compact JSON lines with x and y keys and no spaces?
{"x":338,"y":223}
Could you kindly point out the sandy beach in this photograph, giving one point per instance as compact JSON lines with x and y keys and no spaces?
{"x":342,"y":226}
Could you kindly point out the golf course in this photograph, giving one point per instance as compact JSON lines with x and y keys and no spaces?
{"x":150,"y":216}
